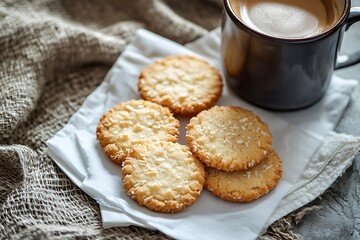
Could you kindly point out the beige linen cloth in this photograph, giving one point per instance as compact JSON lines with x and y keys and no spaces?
{"x":52,"y":55}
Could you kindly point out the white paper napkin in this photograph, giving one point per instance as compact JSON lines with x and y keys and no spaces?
{"x":297,"y":135}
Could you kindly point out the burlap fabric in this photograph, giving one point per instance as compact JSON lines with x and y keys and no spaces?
{"x":52,"y":55}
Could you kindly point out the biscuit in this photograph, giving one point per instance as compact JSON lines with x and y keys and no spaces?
{"x":185,"y":84}
{"x":163,"y":176}
{"x":245,"y":186}
{"x":229,"y":138}
{"x":127,"y":123}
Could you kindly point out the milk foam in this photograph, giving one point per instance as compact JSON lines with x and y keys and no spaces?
{"x":285,"y":18}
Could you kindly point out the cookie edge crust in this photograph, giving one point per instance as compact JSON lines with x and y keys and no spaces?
{"x":215,"y":161}
{"x":119,"y":155}
{"x":167,"y":206}
{"x":246,"y":198}
{"x":194,"y":108}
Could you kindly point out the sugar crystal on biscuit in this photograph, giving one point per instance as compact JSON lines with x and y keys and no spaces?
{"x":227,"y":141}
{"x":251,"y":163}
{"x":268,"y":167}
{"x":243,"y":120}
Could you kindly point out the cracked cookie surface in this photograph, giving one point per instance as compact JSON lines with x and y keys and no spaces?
{"x":245,"y":186}
{"x":125,"y":125}
{"x":185,"y":84}
{"x":163,"y":176}
{"x":229,"y":138}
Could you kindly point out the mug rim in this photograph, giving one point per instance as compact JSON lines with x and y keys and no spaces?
{"x":238,"y":22}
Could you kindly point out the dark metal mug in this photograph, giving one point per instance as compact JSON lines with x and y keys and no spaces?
{"x":279,"y":73}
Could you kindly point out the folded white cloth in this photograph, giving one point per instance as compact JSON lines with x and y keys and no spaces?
{"x":296,"y":137}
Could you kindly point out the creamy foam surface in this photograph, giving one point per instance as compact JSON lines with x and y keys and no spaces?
{"x":287,"y":18}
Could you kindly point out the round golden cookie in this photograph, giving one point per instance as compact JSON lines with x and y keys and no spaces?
{"x":163,"y":176}
{"x":245,"y":186}
{"x":127,"y":123}
{"x":185,"y":84}
{"x":229,"y":138}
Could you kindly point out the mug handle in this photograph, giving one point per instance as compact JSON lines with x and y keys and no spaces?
{"x":344,"y":61}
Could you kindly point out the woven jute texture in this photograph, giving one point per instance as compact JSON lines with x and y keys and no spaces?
{"x":52,"y":55}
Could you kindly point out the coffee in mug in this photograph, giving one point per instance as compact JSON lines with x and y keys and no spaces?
{"x":287,"y":18}
{"x":281,"y":54}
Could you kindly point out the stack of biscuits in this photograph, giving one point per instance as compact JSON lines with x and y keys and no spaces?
{"x":232,"y":143}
